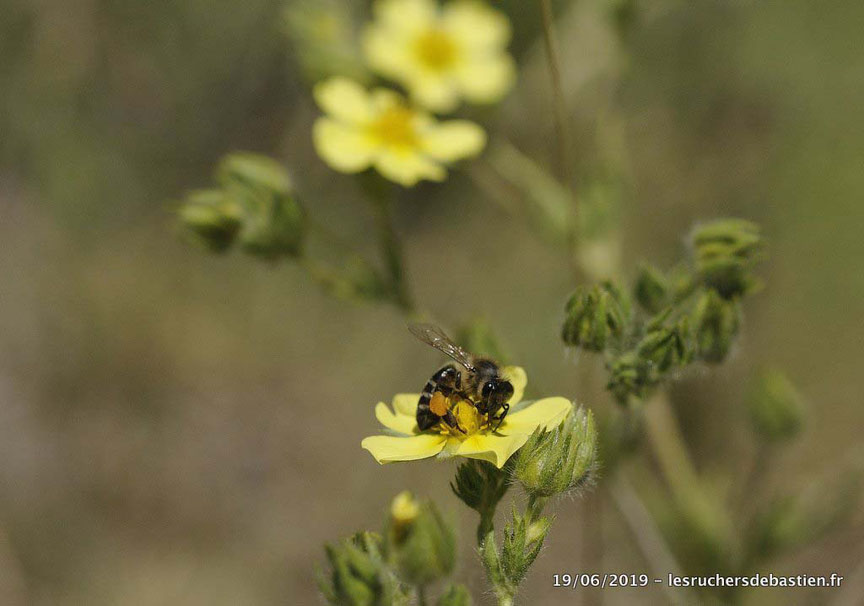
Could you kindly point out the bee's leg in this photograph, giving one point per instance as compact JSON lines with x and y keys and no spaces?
{"x":426,"y":419}
{"x":500,"y":418}
{"x":450,"y":419}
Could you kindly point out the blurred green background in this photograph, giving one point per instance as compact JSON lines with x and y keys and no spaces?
{"x":179,"y":428}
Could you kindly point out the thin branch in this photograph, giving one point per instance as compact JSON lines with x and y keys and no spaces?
{"x":648,"y":538}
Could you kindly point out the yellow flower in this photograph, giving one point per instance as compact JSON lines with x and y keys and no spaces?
{"x":380,"y":129}
{"x":442,"y":55}
{"x":407,"y":443}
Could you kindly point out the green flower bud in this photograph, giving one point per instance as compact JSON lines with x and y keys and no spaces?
{"x":725,"y":252}
{"x":359,"y":576}
{"x":630,"y":376}
{"x":651,"y":289}
{"x":776,"y":407}
{"x":595,"y":316}
{"x":455,"y":595}
{"x":211,"y":217}
{"x":716,"y":321}
{"x":420,"y":545}
{"x":523,"y":539}
{"x":481,"y":485}
{"x":561,"y":460}
{"x":273,"y":223}
{"x":665,"y":346}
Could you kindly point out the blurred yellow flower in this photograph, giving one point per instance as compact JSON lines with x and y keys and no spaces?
{"x":379,"y":129}
{"x":407,"y":443}
{"x":442,"y":54}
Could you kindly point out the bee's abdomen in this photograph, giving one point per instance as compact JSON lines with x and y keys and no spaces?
{"x":428,"y":390}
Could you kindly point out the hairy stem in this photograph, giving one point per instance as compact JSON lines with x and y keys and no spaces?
{"x":382,"y":196}
{"x":667,"y":444}
{"x":562,"y":123}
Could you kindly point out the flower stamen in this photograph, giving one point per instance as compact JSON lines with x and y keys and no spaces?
{"x":395,"y":128}
{"x":436,"y":50}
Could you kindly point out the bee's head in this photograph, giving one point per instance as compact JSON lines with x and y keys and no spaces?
{"x":496,"y":392}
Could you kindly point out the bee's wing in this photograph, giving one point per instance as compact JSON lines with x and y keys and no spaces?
{"x":434,"y":336}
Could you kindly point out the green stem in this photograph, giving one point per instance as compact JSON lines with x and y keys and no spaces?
{"x":562,"y":124}
{"x":421,"y":595}
{"x":535,"y":507}
{"x":382,"y":196}
{"x":485,"y":526}
{"x":667,"y":444}
{"x":505,"y":600}
{"x":676,"y":465}
{"x":748,"y":495}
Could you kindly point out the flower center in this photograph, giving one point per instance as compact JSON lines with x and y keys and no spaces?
{"x":395,"y":127}
{"x":436,"y":50}
{"x":470,"y":420}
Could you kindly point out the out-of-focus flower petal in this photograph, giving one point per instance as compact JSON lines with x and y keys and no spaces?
{"x":476,"y":25}
{"x":342,"y":147}
{"x":487,"y":78}
{"x":344,"y":100}
{"x":454,"y":140}
{"x":407,"y":168}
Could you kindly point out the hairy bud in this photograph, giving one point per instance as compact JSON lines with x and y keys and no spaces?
{"x":716,"y":321}
{"x":725,"y":252}
{"x":359,"y":576}
{"x":273,"y":223}
{"x":595,"y":316}
{"x":212,"y":217}
{"x":420,"y":544}
{"x":651,"y":289}
{"x":776,"y":407}
{"x":560,"y":460}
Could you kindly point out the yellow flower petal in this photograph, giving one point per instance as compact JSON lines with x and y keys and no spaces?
{"x":400,"y":423}
{"x":486,"y":79}
{"x":342,"y":147}
{"x":437,"y":92}
{"x":546,"y":413}
{"x":490,"y":447}
{"x":388,"y":449}
{"x":386,"y":53}
{"x":476,"y":25}
{"x":408,"y":167}
{"x":406,"y":404}
{"x":518,"y":379}
{"x":453,"y":140}
{"x":344,"y":100}
{"x":406,"y":15}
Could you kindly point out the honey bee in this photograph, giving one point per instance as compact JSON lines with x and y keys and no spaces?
{"x":481,"y":383}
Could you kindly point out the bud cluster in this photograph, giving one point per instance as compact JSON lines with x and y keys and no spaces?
{"x":417,"y":549}
{"x":692,"y":314}
{"x":507,"y":566}
{"x":359,"y":575}
{"x":254,"y":206}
